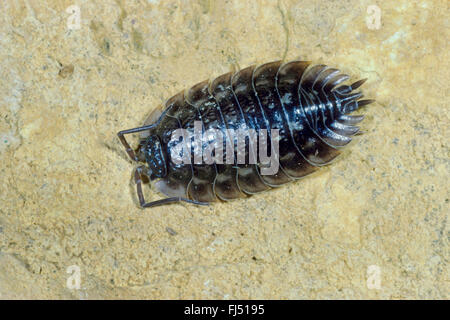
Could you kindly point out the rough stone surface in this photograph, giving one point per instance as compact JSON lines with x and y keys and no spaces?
{"x":66,"y":192}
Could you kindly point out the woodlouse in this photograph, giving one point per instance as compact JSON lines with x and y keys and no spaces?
{"x":307,"y":104}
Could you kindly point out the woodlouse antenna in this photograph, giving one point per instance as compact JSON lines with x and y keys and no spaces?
{"x":125,"y":143}
{"x":121,"y":135}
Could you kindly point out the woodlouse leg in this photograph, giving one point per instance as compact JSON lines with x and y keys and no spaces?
{"x":125,"y":143}
{"x":138,"y":179}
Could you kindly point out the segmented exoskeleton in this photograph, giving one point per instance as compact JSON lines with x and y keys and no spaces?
{"x":307,"y":104}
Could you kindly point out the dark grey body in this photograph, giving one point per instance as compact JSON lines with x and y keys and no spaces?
{"x":307,"y":104}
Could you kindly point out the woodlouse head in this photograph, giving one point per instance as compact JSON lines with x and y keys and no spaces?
{"x":155,"y":157}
